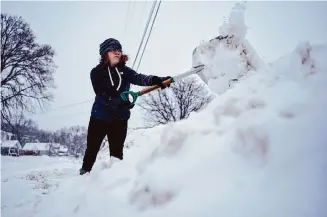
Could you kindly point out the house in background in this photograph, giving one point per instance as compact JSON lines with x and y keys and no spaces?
{"x":11,"y":147}
{"x":37,"y":148}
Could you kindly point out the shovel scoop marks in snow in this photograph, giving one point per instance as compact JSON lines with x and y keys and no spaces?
{"x":194,"y":70}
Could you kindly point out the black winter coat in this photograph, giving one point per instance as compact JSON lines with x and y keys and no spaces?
{"x":107,"y":84}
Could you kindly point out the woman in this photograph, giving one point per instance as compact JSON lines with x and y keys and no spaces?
{"x":110,"y":114}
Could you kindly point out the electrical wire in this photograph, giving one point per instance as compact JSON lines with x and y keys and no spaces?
{"x":144,"y":33}
{"x":65,"y":106}
{"x":155,"y":16}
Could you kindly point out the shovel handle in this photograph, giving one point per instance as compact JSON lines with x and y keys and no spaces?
{"x":152,"y":88}
{"x":135,"y":95}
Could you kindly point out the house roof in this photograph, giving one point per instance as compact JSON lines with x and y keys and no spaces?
{"x":11,"y":144}
{"x":37,"y":146}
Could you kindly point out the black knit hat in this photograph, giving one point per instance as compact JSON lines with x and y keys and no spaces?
{"x":108,"y":45}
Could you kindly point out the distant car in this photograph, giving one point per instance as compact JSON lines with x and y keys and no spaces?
{"x":14,"y":153}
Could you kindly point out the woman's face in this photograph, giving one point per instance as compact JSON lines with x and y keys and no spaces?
{"x":114,"y":57}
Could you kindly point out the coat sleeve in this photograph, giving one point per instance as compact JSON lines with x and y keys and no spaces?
{"x":94,"y":80}
{"x":138,"y":78}
{"x":99,"y":85}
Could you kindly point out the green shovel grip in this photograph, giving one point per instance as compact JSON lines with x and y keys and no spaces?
{"x":124,"y":95}
{"x":135,"y":95}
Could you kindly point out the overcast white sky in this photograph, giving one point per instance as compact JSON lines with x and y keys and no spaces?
{"x":75,"y":30}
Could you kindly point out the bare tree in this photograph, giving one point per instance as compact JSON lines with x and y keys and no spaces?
{"x":175,"y":103}
{"x":77,"y":140}
{"x":26,"y":68}
{"x":61,"y":136}
{"x":24,"y":130}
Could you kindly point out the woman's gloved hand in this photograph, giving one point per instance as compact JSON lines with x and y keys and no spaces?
{"x":127,"y":104}
{"x":158,"y":81}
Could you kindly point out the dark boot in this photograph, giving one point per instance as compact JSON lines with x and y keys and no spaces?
{"x":83,"y":171}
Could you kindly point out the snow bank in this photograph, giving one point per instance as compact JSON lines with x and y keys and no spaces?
{"x":229,"y":56}
{"x":257,"y":150}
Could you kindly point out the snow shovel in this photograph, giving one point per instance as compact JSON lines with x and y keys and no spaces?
{"x":194,"y":70}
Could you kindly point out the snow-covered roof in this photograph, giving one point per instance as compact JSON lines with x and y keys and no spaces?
{"x":11,"y":144}
{"x":36,"y":146}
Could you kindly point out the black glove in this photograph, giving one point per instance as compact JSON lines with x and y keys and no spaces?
{"x":127,"y":104}
{"x":158,"y":81}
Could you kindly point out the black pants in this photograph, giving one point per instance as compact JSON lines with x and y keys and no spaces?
{"x":97,"y":130}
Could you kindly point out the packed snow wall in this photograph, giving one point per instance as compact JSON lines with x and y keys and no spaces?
{"x":229,"y":56}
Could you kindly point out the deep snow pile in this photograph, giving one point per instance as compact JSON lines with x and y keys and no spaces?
{"x":257,"y":150}
{"x":229,"y":56}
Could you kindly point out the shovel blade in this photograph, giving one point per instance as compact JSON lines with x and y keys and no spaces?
{"x":196,"y":70}
{"x":203,"y":78}
{"x":200,"y":73}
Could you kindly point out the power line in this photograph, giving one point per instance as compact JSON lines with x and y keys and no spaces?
{"x":66,"y":106}
{"x":155,"y":16}
{"x":78,"y":103}
{"x":145,"y":30}
{"x":65,"y":115}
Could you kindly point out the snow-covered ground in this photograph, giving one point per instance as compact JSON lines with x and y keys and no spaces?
{"x":259,"y":149}
{"x":26,"y":180}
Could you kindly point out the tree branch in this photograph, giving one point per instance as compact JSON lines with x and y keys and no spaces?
{"x":175,"y":103}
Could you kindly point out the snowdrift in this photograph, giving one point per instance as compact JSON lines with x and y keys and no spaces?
{"x":229,"y":56}
{"x":257,"y":150}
